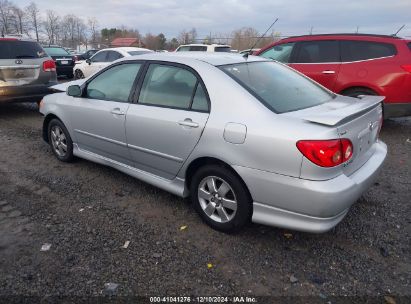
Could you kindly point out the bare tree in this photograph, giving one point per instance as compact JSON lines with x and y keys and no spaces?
{"x":187,"y":37}
{"x":34,"y":18}
{"x":6,"y":16}
{"x":20,"y":19}
{"x":51,"y":25}
{"x":93,"y":29}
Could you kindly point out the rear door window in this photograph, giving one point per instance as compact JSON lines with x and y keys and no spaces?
{"x":15,"y":49}
{"x":317,"y":52}
{"x":223,"y":49}
{"x":281,"y":52}
{"x":198,"y":48}
{"x":100,"y":57}
{"x":363,"y":50}
{"x":169,"y":86}
{"x":112,"y":56}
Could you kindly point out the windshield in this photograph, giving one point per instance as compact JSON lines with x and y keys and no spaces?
{"x":15,"y":49}
{"x":278,"y":87}
{"x":133,"y":53}
{"x":55,"y":51}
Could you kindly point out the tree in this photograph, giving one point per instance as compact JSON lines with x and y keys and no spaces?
{"x":187,"y":37}
{"x":6,"y":17}
{"x":19,"y":19}
{"x":51,"y":26}
{"x":161,"y":41}
{"x":34,"y":18}
{"x":172,"y":44}
{"x":93,"y":29}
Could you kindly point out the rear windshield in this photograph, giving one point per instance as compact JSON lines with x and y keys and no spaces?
{"x":277,"y":86}
{"x":15,"y":49}
{"x":223,"y":49}
{"x":133,"y":53}
{"x":56,"y":51}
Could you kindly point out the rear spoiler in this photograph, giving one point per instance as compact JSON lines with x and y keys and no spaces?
{"x":343,"y":112}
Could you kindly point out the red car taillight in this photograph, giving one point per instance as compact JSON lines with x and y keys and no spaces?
{"x":49,"y":66}
{"x":407,"y":68}
{"x":326,"y":153}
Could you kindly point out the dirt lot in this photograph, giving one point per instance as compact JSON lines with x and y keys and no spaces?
{"x":87,"y":212}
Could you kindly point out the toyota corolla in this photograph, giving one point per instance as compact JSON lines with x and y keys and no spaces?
{"x":245,"y":138}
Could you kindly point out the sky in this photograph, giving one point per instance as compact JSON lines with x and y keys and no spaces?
{"x":296,"y":17}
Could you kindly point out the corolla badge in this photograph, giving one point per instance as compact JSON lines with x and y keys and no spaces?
{"x":19,"y":61}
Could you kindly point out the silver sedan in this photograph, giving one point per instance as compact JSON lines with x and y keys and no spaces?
{"x":246,"y":139}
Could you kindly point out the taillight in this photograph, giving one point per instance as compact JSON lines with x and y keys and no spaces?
{"x":407,"y":67}
{"x":326,"y":153}
{"x":49,"y":66}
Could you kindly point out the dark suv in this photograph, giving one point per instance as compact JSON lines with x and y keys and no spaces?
{"x":352,"y":65}
{"x":26,"y":71}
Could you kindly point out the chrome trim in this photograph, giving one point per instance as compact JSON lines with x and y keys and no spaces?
{"x":341,"y":62}
{"x":20,"y":67}
{"x":163,"y":155}
{"x":101,"y":137}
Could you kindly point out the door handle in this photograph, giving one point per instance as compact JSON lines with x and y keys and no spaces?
{"x":188,"y":123}
{"x":117,"y":111}
{"x":328,"y":72}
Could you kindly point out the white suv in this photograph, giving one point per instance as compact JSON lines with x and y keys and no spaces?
{"x":204,"y":48}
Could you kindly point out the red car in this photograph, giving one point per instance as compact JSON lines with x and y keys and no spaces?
{"x":352,"y":65}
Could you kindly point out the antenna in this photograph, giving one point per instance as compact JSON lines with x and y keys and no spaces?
{"x":399,"y":30}
{"x":258,"y":40}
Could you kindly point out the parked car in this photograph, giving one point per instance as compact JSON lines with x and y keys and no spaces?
{"x":86,"y":55}
{"x":103,"y":58}
{"x":63,"y":59}
{"x":204,"y":48}
{"x":352,"y":65}
{"x":26,"y":71}
{"x":245,"y":139}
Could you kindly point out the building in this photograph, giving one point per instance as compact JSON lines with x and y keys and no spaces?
{"x":127,"y":42}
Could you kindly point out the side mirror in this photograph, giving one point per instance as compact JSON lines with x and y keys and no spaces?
{"x":88,"y":61}
{"x":74,"y":91}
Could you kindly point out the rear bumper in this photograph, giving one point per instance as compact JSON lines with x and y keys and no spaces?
{"x":397,"y":109}
{"x":64,"y":70}
{"x":306,"y":205}
{"x":25,"y":93}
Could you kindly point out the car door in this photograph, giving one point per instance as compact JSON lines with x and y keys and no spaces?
{"x":96,"y":63}
{"x":98,"y":118}
{"x":319,"y":60}
{"x":166,"y":122}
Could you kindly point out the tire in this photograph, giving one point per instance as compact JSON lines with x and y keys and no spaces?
{"x":60,"y":141}
{"x":355,"y":92}
{"x":227,"y":209}
{"x":78,"y":74}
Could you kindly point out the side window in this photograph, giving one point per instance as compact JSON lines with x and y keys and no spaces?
{"x":200,"y":102}
{"x":112,"y":56}
{"x":363,"y":50}
{"x":100,"y":57}
{"x":318,"y":51}
{"x":280,"y":52}
{"x":168,"y":86}
{"x":114,"y":84}
{"x":183,"y":49}
{"x":198,"y":48}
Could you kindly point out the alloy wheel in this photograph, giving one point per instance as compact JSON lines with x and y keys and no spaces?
{"x":59,"y":141}
{"x":217,"y":199}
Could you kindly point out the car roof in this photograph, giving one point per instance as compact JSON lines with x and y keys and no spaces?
{"x":347,"y":35}
{"x":201,"y":44}
{"x":125,"y":49}
{"x":187,"y":57}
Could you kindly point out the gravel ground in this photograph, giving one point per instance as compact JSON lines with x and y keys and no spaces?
{"x":86,"y":212}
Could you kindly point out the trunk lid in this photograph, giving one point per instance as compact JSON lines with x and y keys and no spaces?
{"x":26,"y":71}
{"x":357,"y":119}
